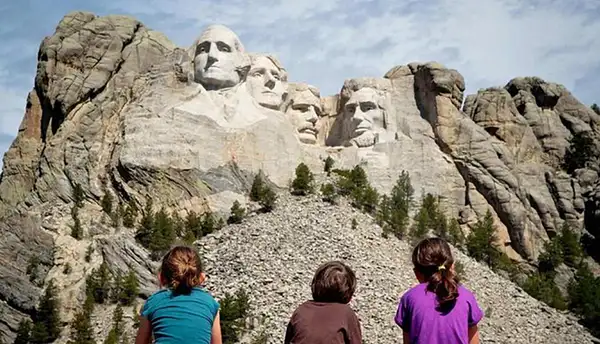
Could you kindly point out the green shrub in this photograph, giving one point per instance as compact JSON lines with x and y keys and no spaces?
{"x":233,"y":313}
{"x":237,"y":213}
{"x":328,"y":193}
{"x":303,"y":184}
{"x":329,"y":162}
{"x":581,"y":150}
{"x":543,"y":288}
{"x":107,"y":203}
{"x":584,"y":298}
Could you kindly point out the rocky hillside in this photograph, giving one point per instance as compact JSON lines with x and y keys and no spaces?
{"x":273,"y":256}
{"x":117,"y":111}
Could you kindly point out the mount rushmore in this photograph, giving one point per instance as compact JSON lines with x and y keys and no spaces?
{"x":118,"y":108}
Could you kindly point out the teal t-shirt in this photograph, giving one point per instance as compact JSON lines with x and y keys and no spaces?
{"x":181,"y":318}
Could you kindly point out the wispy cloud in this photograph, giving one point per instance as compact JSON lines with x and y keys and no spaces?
{"x":324,"y":42}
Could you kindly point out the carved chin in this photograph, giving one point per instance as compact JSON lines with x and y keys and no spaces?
{"x":307,"y":138}
{"x":366,"y":139}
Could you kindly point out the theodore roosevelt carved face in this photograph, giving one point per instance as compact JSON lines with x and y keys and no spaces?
{"x":267,"y":81}
{"x":304,"y":109}
{"x":218,"y":58}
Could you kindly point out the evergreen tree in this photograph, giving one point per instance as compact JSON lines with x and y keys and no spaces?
{"x":88,"y":253}
{"x":107,"y":203}
{"x":571,"y":247}
{"x":130,"y":289}
{"x":130,"y":214}
{"x":117,"y":287}
{"x":369,"y":199}
{"x":78,"y":196}
{"x":552,"y":256}
{"x":268,"y":199}
{"x":193,"y":225}
{"x":162,"y":234}
{"x":32,"y":268}
{"x":394,"y":210}
{"x":455,"y":234}
{"x":328,"y":193}
{"x":233,"y":312}
{"x":237,"y":213}
{"x":117,"y":329}
{"x":82,"y":326}
{"x":146,"y":226}
{"x":581,"y":150}
{"x":481,"y":243}
{"x":24,"y":332}
{"x":209,"y":224}
{"x":584,"y":298}
{"x":98,"y":284}
{"x":46,"y":326}
{"x":543,"y":288}
{"x":76,"y":229}
{"x":328,"y":165}
{"x":303,"y":184}
{"x":596,"y":108}
{"x":258,"y":185}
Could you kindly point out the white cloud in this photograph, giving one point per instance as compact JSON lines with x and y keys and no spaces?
{"x":324,"y":42}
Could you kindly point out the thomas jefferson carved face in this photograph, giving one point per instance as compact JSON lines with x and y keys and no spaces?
{"x":365,"y":118}
{"x":303,"y":112}
{"x":218,"y":57}
{"x":266,"y":81}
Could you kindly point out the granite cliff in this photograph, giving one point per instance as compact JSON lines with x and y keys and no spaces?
{"x":117,"y":108}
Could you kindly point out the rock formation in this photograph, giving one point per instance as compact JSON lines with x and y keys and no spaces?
{"x":117,"y":108}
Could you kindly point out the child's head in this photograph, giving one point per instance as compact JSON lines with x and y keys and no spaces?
{"x":181,"y":270}
{"x":334,"y":282}
{"x":433,"y":263}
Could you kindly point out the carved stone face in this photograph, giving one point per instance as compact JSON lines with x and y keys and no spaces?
{"x":365,"y":119}
{"x":218,"y":55}
{"x":304,"y":112}
{"x":266,"y":82}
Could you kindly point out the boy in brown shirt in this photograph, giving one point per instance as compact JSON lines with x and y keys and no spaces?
{"x":327,"y":319}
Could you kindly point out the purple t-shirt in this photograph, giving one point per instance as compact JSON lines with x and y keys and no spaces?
{"x":418,"y":315}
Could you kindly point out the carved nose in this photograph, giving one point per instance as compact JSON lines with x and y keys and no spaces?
{"x":270,"y":81}
{"x":311,"y":115}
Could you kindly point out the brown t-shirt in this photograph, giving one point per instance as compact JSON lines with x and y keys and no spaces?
{"x":326,"y":323}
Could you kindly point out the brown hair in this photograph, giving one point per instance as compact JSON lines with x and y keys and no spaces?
{"x":333,"y":282}
{"x":432,"y":257}
{"x":181,"y":269}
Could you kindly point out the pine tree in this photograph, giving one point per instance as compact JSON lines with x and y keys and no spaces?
{"x":117,"y":287}
{"x":268,"y":199}
{"x":455,"y":234}
{"x":584,"y":298}
{"x":78,"y":195}
{"x":369,"y":198}
{"x":237,"y":213}
{"x":117,"y":329}
{"x":328,"y":165}
{"x":258,"y":185}
{"x":303,"y":184}
{"x":130,"y":289}
{"x":209,"y":224}
{"x":596,"y":108}
{"x":32,"y":268}
{"x":328,"y":193}
{"x":193,"y":225}
{"x":76,"y":229}
{"x":24,"y":332}
{"x":130,"y":214}
{"x":82,"y":326}
{"x":98,"y":284}
{"x":394,"y":210}
{"x":46,"y":326}
{"x":582,"y":149}
{"x":162,"y":234}
{"x":146,"y":226}
{"x":571,"y":247}
{"x":107,"y":203}
{"x":481,"y":243}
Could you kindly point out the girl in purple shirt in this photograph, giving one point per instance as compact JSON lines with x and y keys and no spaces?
{"x":438,"y":310}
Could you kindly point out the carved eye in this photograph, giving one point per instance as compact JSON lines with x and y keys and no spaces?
{"x":276,"y":76}
{"x":351,"y":108}
{"x":223,"y":47}
{"x":367,"y":107}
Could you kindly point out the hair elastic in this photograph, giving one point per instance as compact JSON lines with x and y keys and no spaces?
{"x":441,"y":267}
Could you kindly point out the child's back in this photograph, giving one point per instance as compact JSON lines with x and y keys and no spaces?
{"x":184,"y":318}
{"x":418,"y":314}
{"x":323,"y":322}
{"x":327,"y":319}
{"x":439,"y":309}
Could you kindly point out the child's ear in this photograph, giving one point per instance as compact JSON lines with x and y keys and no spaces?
{"x":202,"y":277}
{"x":161,"y":280}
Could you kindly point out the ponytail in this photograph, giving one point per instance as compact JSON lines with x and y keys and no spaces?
{"x":432,"y":257}
{"x":181,"y":269}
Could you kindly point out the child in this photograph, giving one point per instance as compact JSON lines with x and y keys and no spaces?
{"x":181,"y":313}
{"x":438,"y":310}
{"x":327,"y":319}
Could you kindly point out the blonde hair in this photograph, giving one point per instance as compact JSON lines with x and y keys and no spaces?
{"x":181,"y":269}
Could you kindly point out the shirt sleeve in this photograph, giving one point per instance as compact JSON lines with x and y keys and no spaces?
{"x":403,"y":314}
{"x":475,"y":312}
{"x":354,"y":331}
{"x":215,"y":307}
{"x":148,"y":308}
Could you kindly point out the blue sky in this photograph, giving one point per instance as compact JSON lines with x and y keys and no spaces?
{"x":323,"y":42}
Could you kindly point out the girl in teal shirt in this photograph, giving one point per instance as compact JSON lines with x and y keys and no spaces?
{"x":182,"y":312}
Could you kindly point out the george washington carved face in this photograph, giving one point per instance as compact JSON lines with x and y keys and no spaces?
{"x":218,"y":57}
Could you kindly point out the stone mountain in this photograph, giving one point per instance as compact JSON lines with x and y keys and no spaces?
{"x":117,"y":108}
